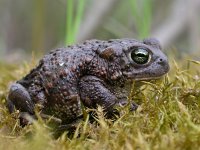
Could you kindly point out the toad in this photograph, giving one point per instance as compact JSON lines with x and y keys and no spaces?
{"x":89,"y":74}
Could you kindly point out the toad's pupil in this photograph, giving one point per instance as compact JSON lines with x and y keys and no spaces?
{"x":140,"y":56}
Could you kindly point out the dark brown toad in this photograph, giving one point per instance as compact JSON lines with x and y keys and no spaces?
{"x":93,"y":73}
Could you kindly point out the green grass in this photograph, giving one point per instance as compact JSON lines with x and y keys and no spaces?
{"x":168,"y":117}
{"x":73,"y":21}
{"x":142,"y":15}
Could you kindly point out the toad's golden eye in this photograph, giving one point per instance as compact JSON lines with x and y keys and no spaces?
{"x":140,"y":55}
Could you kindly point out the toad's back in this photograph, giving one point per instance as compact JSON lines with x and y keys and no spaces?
{"x":53,"y":83}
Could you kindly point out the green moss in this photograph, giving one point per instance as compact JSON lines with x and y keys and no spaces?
{"x":168,"y":117}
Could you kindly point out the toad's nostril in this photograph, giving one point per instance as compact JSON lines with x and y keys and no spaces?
{"x":162,"y":61}
{"x":164,"y":64}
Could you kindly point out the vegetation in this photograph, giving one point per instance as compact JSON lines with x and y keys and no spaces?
{"x":142,"y":13}
{"x":73,"y":21}
{"x":168,"y":117}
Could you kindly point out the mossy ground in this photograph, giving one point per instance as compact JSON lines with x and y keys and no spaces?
{"x":168,"y":117}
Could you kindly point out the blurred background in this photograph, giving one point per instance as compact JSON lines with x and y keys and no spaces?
{"x":37,"y":26}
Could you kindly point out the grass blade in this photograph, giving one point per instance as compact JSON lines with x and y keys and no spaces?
{"x":69,"y":22}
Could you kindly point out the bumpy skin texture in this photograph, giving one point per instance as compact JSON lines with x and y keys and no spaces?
{"x":92,"y":73}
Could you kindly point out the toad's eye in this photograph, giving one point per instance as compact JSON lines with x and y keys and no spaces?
{"x":140,"y":56}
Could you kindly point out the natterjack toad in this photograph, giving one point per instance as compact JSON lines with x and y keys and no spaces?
{"x":90,"y":74}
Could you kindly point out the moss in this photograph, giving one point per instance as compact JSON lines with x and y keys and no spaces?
{"x":168,"y":117}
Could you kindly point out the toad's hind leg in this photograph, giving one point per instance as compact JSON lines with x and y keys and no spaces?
{"x":20,"y":99}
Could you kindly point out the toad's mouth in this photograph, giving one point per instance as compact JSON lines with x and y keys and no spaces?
{"x":148,"y":78}
{"x":137,"y":77}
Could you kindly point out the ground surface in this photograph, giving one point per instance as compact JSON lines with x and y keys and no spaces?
{"x":168,"y":117}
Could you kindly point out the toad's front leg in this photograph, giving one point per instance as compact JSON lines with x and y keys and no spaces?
{"x":93,"y":92}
